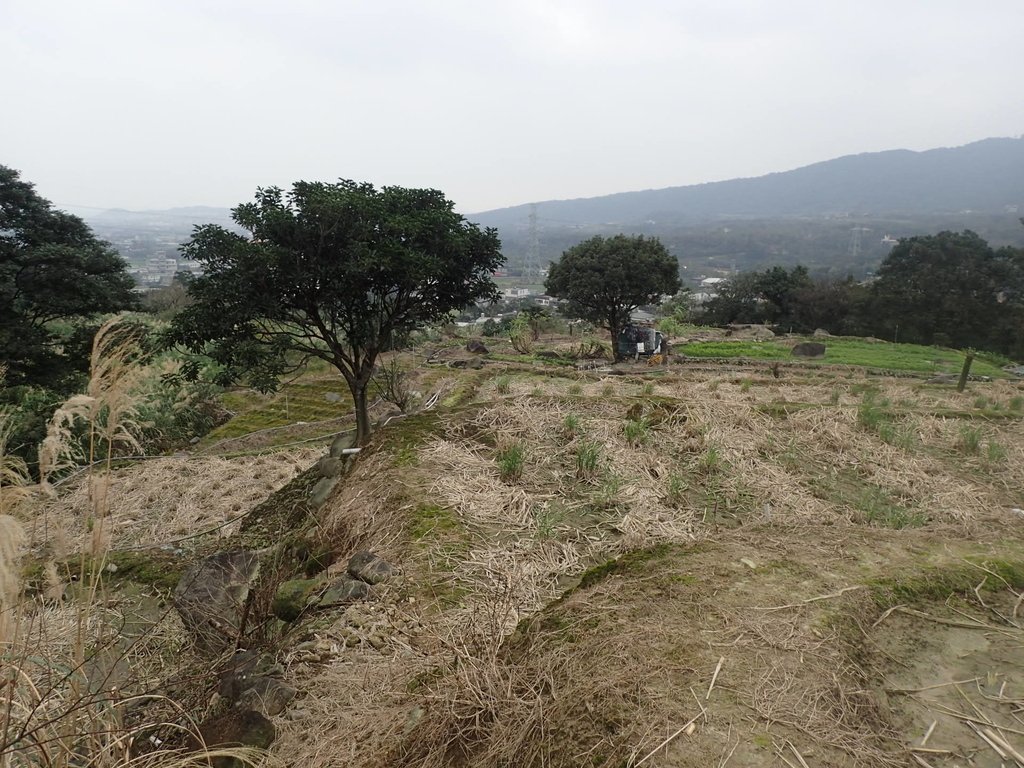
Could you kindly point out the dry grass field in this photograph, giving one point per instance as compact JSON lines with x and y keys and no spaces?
{"x":691,"y":565}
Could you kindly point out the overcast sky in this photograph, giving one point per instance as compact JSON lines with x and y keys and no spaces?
{"x":143,"y":104}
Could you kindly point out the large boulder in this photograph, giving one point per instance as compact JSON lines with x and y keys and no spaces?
{"x":211,"y":597}
{"x":370,"y":568}
{"x":809,"y":349}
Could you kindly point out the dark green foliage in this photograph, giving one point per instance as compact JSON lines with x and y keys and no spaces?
{"x":30,"y":409}
{"x":951,"y":289}
{"x":54,"y":276}
{"x":604,"y":280}
{"x":789,"y":299}
{"x":331,"y":271}
{"x":173,"y":413}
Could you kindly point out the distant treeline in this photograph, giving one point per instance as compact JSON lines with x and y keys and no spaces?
{"x":950,"y":289}
{"x":833,"y":247}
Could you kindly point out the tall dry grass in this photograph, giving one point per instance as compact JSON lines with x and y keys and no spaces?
{"x":108,"y":411}
{"x":72,"y":680}
{"x":15,"y":490}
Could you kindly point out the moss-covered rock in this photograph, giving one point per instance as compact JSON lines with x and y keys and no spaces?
{"x":292,"y":597}
{"x":157,"y":568}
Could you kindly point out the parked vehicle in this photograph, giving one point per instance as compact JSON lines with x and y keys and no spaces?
{"x":639,"y":341}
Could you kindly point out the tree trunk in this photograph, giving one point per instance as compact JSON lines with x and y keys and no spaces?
{"x":615,"y":330}
{"x":362,"y":413}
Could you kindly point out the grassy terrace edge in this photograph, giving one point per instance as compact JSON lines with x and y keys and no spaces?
{"x":852,"y":351}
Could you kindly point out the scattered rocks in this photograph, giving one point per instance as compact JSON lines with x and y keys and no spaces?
{"x":322,"y":491}
{"x":211,"y":596}
{"x":363,"y":570}
{"x":476,"y":347}
{"x":242,"y":669}
{"x":750,"y":331}
{"x":268,"y":696}
{"x":251,"y":681}
{"x":809,"y":349}
{"x":342,"y":592}
{"x":367,"y":567}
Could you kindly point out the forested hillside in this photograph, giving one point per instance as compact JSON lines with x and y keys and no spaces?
{"x":832,"y":216}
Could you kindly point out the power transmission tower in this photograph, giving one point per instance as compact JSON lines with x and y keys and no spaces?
{"x":532,"y":266}
{"x":855,"y":239}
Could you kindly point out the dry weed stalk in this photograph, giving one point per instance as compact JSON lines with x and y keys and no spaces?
{"x":108,"y":410}
{"x":825,"y":709}
{"x":15,"y":483}
{"x":161,"y":501}
{"x":14,"y":492}
{"x":11,"y":540}
{"x":64,"y":687}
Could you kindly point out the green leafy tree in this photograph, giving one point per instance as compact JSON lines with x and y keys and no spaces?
{"x":835,"y":305}
{"x":330,"y":271}
{"x":55,"y":277}
{"x":679,"y":308}
{"x":604,"y":280}
{"x":951,"y":288}
{"x":738,"y":300}
{"x":778,"y":287}
{"x":771,"y":296}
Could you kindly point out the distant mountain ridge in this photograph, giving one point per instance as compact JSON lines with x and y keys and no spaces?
{"x":986,"y":175}
{"x":193,"y":214}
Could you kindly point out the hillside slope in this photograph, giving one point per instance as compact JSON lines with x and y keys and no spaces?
{"x":982,"y":176}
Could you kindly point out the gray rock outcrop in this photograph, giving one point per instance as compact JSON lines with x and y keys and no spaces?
{"x":343,"y":591}
{"x":809,"y":349}
{"x":211,"y":597}
{"x":370,"y":568}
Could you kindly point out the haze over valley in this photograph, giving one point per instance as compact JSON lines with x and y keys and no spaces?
{"x":838,"y":216}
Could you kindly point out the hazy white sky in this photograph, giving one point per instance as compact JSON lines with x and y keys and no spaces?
{"x":160,"y":103}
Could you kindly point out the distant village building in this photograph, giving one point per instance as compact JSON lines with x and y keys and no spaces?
{"x":516,"y":292}
{"x":712,"y":282}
